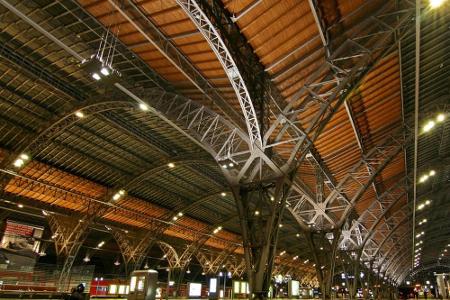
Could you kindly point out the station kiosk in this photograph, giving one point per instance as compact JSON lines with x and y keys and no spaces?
{"x":143,"y":285}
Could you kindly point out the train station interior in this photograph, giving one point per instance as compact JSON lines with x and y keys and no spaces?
{"x":224,"y":149}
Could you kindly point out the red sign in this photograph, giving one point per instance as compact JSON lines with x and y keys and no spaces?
{"x":19,"y":229}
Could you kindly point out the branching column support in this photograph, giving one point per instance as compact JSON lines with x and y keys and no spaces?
{"x":134,"y":249}
{"x":369,"y":281}
{"x":260,"y":230}
{"x":68,"y":234}
{"x":356,"y":274}
{"x":325,"y":267}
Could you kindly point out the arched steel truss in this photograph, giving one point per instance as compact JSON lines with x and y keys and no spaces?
{"x":209,"y":32}
{"x":398,"y":260}
{"x":359,"y":234}
{"x":427,"y":267}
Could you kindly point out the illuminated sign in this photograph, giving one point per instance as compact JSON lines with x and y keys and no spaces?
{"x":122,"y":289}
{"x":140,"y":284}
{"x":236,"y":287}
{"x":213,"y":285}
{"x":20,"y":244}
{"x":241,"y":287}
{"x":294,"y":288}
{"x":133,"y":283}
{"x":195,"y":289}
{"x":113,"y":289}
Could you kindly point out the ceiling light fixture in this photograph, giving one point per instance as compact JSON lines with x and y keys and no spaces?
{"x":436,"y":3}
{"x":440,"y":118}
{"x":143,"y":106}
{"x":428,"y":126}
{"x":104,"y":71}
{"x":217,"y":229}
{"x":79,"y":114}
{"x":20,"y":161}
{"x":96,"y":76}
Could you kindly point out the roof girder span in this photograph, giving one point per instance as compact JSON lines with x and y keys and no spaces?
{"x":57,"y":125}
{"x":375,"y":213}
{"x":392,"y":260}
{"x":209,"y":32}
{"x":395,"y":215}
{"x":236,"y":43}
{"x":107,"y":205}
{"x":344,"y":197}
{"x":399,"y":222}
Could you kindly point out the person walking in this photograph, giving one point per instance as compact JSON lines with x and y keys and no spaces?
{"x":77,"y":293}
{"x":425,"y":292}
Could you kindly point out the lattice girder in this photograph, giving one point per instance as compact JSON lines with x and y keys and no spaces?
{"x":209,"y":32}
{"x":372,"y":216}
{"x":350,"y":189}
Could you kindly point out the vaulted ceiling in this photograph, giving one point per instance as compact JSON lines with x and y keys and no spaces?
{"x":76,"y":159}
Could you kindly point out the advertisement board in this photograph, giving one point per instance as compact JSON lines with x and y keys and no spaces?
{"x":236,"y":287}
{"x":195,"y":289}
{"x":241,"y":287}
{"x":20,"y":244}
{"x":213,"y":285}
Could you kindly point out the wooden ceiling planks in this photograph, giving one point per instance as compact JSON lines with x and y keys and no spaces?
{"x":176,"y":25}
